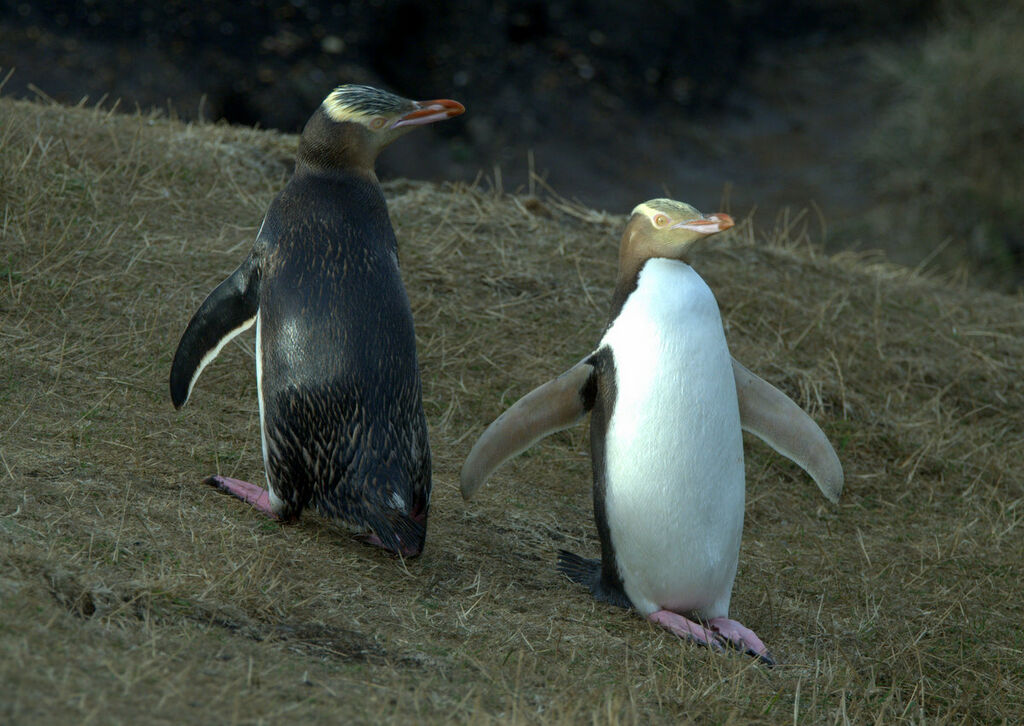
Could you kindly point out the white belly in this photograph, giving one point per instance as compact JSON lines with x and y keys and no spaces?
{"x":674,"y":449}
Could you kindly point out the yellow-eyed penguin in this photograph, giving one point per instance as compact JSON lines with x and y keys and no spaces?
{"x":341,"y":412}
{"x":667,"y":404}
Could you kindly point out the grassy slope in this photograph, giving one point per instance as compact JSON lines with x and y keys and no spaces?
{"x":128,"y":590}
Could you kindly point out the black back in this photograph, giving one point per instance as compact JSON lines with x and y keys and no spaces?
{"x":343,"y":411}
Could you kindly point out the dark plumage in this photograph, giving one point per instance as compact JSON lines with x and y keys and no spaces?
{"x":340,"y":398}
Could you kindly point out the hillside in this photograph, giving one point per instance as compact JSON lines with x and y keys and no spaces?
{"x":128,"y":590}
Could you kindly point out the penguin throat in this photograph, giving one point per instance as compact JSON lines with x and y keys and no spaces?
{"x":350,"y":158}
{"x":629,"y":279}
{"x":326,"y":146}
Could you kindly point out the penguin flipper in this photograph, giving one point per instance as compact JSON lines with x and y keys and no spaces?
{"x":771,"y":415}
{"x":227,"y":311}
{"x":588,"y":573}
{"x":556,"y":405}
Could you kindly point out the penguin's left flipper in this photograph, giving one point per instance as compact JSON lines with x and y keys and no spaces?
{"x":554,"y":406}
{"x":770,"y":414}
{"x":226,"y":312}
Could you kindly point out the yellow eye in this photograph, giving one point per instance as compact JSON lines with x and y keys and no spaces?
{"x":378,"y":123}
{"x":661,"y":220}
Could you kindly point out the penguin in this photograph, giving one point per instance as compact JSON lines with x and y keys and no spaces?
{"x":340,"y":402}
{"x":667,"y":405}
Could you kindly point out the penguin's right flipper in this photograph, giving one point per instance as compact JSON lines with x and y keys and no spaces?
{"x":556,"y":405}
{"x":773,"y":416}
{"x":588,"y":573}
{"x":226,"y":312}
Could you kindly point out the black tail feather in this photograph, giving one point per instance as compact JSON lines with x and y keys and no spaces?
{"x":399,"y":532}
{"x":588,"y":573}
{"x":579,"y":569}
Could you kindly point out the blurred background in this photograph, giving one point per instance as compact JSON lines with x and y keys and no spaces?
{"x":894,"y":125}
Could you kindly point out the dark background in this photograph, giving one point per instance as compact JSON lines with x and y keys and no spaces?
{"x":757,"y":104}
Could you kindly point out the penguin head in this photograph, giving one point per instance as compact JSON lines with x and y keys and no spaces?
{"x":355,"y":122}
{"x":667,"y":228}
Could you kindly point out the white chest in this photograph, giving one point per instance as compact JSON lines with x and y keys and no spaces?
{"x":674,"y":449}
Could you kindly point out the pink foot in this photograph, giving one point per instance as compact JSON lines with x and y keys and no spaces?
{"x":257,"y":496}
{"x":686,"y":628}
{"x":742,"y":638}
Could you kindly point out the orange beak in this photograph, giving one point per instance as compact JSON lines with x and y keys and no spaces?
{"x":709,"y":224}
{"x":427,"y":112}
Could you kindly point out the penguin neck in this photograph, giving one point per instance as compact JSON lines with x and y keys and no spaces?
{"x":304,"y":167}
{"x":635,"y":250}
{"x":631,"y":261}
{"x":623,"y":289}
{"x":327,"y":147}
{"x":629,"y":279}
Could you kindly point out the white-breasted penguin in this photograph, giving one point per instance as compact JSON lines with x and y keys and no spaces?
{"x":341,"y":412}
{"x":667,"y":404}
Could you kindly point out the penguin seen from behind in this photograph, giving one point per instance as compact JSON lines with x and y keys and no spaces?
{"x":338,"y":383}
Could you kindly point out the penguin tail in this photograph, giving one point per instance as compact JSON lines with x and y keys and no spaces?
{"x":579,"y":569}
{"x":402,"y":534}
{"x":589,"y":573}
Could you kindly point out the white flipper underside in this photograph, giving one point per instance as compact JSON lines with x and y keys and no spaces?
{"x":771,"y":415}
{"x":208,"y":358}
{"x":548,"y":408}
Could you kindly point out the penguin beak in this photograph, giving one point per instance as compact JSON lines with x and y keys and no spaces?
{"x":427,"y":112}
{"x":708,"y":224}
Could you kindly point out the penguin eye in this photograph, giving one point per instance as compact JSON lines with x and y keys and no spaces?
{"x":378,"y":122}
{"x":661,"y":220}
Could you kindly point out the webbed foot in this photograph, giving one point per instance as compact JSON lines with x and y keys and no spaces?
{"x":255,"y":495}
{"x":686,"y":628}
{"x":742,"y":638}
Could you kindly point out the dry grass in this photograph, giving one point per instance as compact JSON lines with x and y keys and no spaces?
{"x":128,"y":591}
